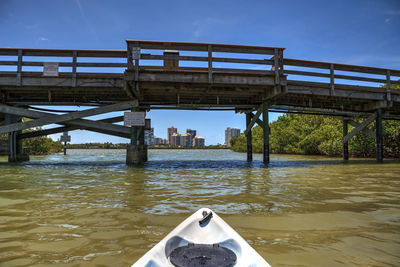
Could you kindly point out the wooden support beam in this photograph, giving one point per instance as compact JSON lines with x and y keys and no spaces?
{"x":332,"y":79}
{"x":276,"y":66}
{"x":74,"y":63}
{"x":210,"y":60}
{"x":366,"y":131}
{"x":74,"y":127}
{"x":265,"y":133}
{"x":19,"y":68}
{"x":388,"y":94}
{"x":249,"y":138}
{"x":49,"y":119}
{"x":359,"y":128}
{"x":258,"y":121}
{"x":346,"y":144}
{"x":379,"y":136}
{"x":253,"y":120}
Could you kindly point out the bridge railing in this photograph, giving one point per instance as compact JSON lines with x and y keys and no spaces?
{"x":171,"y":57}
{"x":334,"y":72}
{"x":66,"y":59}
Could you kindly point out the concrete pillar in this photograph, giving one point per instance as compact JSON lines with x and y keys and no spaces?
{"x":136,"y":154}
{"x":248,"y":137}
{"x":379,"y":136}
{"x":266,"y":134}
{"x":16,"y":153}
{"x":346,"y":144}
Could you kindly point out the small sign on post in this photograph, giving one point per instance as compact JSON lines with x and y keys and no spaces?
{"x":50,"y":69}
{"x":65,"y":138}
{"x":136,"y":118}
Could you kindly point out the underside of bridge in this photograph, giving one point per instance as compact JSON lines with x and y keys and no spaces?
{"x":215,"y":77}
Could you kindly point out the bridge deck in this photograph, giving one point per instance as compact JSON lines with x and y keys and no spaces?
{"x":192,"y":75}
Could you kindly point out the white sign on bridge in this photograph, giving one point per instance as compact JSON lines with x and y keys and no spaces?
{"x":50,"y":69}
{"x":136,"y":118}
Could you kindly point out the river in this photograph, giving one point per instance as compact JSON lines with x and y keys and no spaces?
{"x":89,"y":209}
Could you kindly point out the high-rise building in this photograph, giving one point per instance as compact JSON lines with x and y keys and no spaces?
{"x":199,"y":141}
{"x":186,"y":140}
{"x":175,"y":140}
{"x":229,"y":133}
{"x":149,"y":137}
{"x":192,"y":132}
{"x":171,"y":131}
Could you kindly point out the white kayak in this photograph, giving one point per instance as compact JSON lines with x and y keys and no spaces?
{"x":203,"y":240}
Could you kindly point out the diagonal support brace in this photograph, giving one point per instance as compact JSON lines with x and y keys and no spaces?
{"x":254,"y":119}
{"x":359,"y":128}
{"x":51,"y":118}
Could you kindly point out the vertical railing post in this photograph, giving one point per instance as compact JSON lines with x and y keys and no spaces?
{"x":19,"y":68}
{"x":210,"y":60}
{"x":332,"y":80}
{"x":276,"y":66}
{"x":136,"y":57}
{"x":388,"y":94}
{"x":129,"y":57}
{"x":74,"y":64}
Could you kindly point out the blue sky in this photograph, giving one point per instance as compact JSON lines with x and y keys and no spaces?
{"x":365,"y":32}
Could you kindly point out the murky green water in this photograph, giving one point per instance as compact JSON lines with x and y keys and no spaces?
{"x":88,"y":208}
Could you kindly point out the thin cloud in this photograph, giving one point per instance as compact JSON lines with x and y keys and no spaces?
{"x":207,"y":25}
{"x":43,"y":39}
{"x":83,"y":15}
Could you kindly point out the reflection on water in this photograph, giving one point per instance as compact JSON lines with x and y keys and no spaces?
{"x":88,"y":208}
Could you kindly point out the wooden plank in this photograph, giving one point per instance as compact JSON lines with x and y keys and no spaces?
{"x":342,"y":67}
{"x":63,"y":118}
{"x":63,"y":52}
{"x":359,"y":128}
{"x":214,"y":59}
{"x":190,"y":46}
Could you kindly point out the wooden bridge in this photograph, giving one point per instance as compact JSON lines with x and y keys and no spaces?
{"x":177,"y":75}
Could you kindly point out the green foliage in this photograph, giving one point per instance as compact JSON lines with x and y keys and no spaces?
{"x":318,"y":135}
{"x":42,"y":145}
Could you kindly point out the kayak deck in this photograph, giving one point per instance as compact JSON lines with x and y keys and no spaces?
{"x":197,"y":241}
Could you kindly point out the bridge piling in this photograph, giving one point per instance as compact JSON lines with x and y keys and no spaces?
{"x":379,"y":136}
{"x":249,"y":139}
{"x":266,"y":133}
{"x":136,"y":153}
{"x":345,"y":144}
{"x":14,"y":143}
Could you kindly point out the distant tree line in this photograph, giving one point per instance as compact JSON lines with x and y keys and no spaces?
{"x":319,"y":135}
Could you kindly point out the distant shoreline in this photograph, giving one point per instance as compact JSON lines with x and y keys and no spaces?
{"x":152,"y":147}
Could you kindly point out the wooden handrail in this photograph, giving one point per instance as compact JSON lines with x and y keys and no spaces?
{"x":189,"y":46}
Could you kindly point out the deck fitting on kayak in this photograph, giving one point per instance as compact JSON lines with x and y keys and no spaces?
{"x":206,"y":217}
{"x":202,"y":255}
